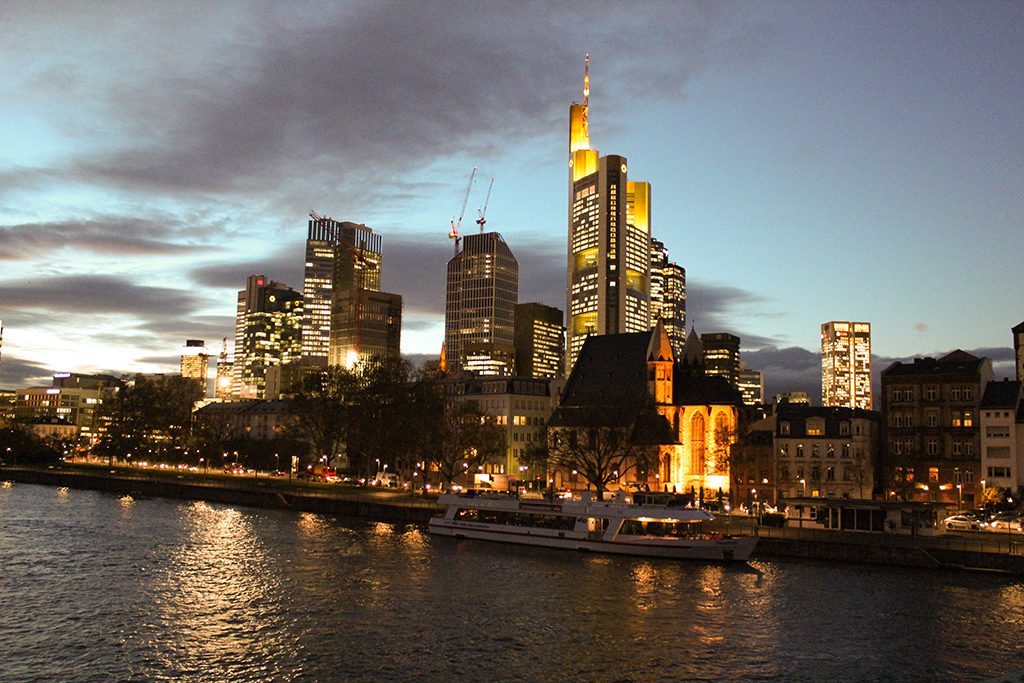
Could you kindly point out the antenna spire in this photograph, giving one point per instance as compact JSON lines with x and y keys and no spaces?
{"x":586,"y":80}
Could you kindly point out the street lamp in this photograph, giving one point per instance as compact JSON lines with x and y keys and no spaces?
{"x":804,"y":483}
{"x":959,"y":496}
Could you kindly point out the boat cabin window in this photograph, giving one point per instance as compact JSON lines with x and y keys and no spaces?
{"x":521,"y":519}
{"x":634,"y":527}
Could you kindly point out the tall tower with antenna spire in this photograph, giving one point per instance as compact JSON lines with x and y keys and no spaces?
{"x":608,"y":274}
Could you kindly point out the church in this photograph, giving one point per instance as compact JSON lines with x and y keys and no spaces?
{"x":667,"y":405}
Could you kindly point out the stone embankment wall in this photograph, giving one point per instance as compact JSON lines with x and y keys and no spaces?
{"x":248,"y":493}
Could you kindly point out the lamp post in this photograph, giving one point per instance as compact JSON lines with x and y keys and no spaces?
{"x":959,"y":496}
{"x":803,"y":482}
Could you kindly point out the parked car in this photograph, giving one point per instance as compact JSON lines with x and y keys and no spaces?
{"x":1003,"y":521}
{"x":961,"y":522}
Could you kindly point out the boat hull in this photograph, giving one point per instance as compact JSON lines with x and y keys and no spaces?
{"x":736,"y":548}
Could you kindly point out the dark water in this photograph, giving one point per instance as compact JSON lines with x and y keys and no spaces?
{"x":99,"y":588}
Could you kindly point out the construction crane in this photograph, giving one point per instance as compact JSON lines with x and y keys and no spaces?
{"x":457,"y":225}
{"x":481,"y":218}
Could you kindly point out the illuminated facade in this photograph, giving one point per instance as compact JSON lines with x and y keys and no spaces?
{"x":751,"y":386}
{"x":608,"y":275}
{"x":321,"y":240}
{"x":481,"y":291}
{"x":846,"y":364}
{"x":539,"y":341}
{"x":722,"y":355}
{"x":1002,"y":436}
{"x":932,"y":437}
{"x":668,"y":295}
{"x":268,"y":331}
{"x":195,"y":362}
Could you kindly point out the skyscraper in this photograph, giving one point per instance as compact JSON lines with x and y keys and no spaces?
{"x":344,"y":320}
{"x":365,"y":321}
{"x":751,"y":386}
{"x":480,"y":301}
{"x":608,"y":275}
{"x":268,"y":331}
{"x":846,"y":364}
{"x":539,"y":341}
{"x":195,"y":362}
{"x":668,"y":295}
{"x":722,"y":355}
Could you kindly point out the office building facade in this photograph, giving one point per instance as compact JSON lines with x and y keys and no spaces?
{"x":482,"y":288}
{"x":722,"y":355}
{"x":608,"y":274}
{"x":195,"y":362}
{"x":268,"y":331}
{"x":846,"y":364}
{"x":668,"y":295}
{"x":539,"y":341}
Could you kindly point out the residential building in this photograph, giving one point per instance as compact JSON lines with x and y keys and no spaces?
{"x":609,"y":242}
{"x":73,"y":397}
{"x":268,"y":331}
{"x":1018,"y":350}
{"x":539,"y":341}
{"x":1002,"y":436}
{"x":825,"y":451}
{"x":846,"y":364}
{"x":482,"y":288}
{"x":521,"y":406}
{"x":195,"y":362}
{"x":248,"y":419}
{"x":668,"y":295}
{"x":722,"y":355}
{"x":932,"y":436}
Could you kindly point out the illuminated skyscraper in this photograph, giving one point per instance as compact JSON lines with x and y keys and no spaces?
{"x":608,"y":276}
{"x":195,"y":362}
{"x":540,"y":341}
{"x":268,"y":331}
{"x":480,"y":301}
{"x":321,"y":241}
{"x":846,"y":364}
{"x":365,"y":321}
{"x":668,"y":296}
{"x":722,"y":355}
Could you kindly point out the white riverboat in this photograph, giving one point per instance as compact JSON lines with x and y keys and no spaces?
{"x":615,"y":526}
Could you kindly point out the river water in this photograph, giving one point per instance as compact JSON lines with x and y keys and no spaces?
{"x":94,"y":587}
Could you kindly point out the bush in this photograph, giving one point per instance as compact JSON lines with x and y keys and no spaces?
{"x":776,"y":519}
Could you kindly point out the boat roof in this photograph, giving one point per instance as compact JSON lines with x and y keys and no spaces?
{"x":577,"y":508}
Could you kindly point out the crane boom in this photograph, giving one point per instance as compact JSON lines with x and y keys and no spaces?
{"x":482,"y":213}
{"x":457,"y":225}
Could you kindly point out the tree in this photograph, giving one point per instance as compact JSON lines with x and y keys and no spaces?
{"x":601,"y":454}
{"x":323,"y":404}
{"x":463,"y":440}
{"x":20,"y":445}
{"x":383,"y":418}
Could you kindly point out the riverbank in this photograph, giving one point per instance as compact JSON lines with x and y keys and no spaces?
{"x":265,"y":493}
{"x":940,"y":552}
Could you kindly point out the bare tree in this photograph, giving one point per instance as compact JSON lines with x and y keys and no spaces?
{"x":463,"y":440}
{"x":601,"y":454}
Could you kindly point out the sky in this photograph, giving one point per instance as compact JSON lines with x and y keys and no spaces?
{"x":809,"y":161}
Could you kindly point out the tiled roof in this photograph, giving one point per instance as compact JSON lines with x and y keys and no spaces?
{"x":1005,"y":394}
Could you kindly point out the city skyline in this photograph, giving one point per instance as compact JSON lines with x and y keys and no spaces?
{"x":791,"y":151}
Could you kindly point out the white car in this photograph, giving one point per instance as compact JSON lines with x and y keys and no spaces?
{"x":961,"y":522}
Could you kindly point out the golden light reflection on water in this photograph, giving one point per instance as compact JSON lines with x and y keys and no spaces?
{"x":126,"y":501}
{"x":7,"y":484}
{"x":221,"y":592}
{"x":62,"y":492}
{"x":644,"y":580}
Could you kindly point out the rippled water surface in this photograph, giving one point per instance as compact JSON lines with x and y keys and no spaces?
{"x":98,"y":588}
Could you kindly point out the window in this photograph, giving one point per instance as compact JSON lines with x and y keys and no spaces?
{"x":830,"y":474}
{"x":933,"y":474}
{"x":931,"y":392}
{"x":958,"y":448}
{"x":999,"y":472}
{"x":784,"y":472}
{"x":997,"y":431}
{"x":997,"y":452}
{"x":784,"y":450}
{"x":968,"y":448}
{"x":846,"y":450}
{"x":815,"y":451}
{"x":830,"y":451}
{"x":846,"y":474}
{"x":958,"y":476}
{"x":844,"y":429}
{"x":932,"y":418}
{"x":969,"y":476}
{"x":799,"y":450}
{"x":932,"y":447}
{"x":968,"y":393}
{"x":815,"y":427}
{"x":816,"y":473}
{"x":784,"y":428}
{"x":954,"y":393}
{"x":897,"y":447}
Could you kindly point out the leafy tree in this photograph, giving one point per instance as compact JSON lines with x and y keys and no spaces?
{"x":19,"y":445}
{"x":600,"y":454}
{"x":324,"y":405}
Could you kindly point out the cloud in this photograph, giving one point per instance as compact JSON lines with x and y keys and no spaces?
{"x":17,"y":372}
{"x":98,"y":294}
{"x":104,"y":235}
{"x":717,"y":308}
{"x":284,"y":266}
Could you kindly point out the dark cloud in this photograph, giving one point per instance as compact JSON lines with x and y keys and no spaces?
{"x":16,"y":373}
{"x":285,"y":266}
{"x":210,"y":328}
{"x":98,"y":294}
{"x":717,"y":308}
{"x":104,"y":235}
{"x":359,"y":94}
